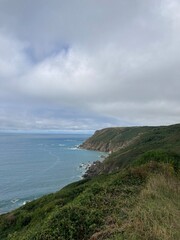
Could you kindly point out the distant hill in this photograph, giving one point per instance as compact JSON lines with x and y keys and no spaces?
{"x":128,"y":143}
{"x":133,"y":194}
{"x":117,"y":138}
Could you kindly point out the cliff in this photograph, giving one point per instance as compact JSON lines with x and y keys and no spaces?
{"x":129,"y":143}
{"x":139,"y":199}
{"x":113,"y":139}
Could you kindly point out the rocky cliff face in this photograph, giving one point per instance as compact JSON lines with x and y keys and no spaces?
{"x":111,"y":139}
{"x":128,"y":143}
{"x":95,"y":169}
{"x":101,"y":146}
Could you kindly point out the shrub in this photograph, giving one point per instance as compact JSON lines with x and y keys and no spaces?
{"x":71,"y":222}
{"x":159,"y":156}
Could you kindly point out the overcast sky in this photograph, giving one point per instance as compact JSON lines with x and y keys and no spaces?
{"x":88,"y":64}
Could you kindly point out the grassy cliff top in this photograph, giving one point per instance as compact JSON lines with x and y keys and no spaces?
{"x":113,"y":139}
{"x":130,"y":143}
{"x":138,"y":199}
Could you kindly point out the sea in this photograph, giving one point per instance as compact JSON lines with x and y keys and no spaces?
{"x":33,"y":164}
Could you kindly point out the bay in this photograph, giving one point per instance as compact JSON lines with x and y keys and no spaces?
{"x":32,"y":165}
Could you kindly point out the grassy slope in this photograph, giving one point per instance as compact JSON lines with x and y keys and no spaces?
{"x":138,"y":202}
{"x":157,"y":213}
{"x":138,"y":140}
{"x":109,"y":139}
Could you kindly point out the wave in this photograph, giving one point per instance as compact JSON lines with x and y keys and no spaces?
{"x":15,"y":200}
{"x":26,"y":201}
{"x":74,"y":149}
{"x":69,"y":140}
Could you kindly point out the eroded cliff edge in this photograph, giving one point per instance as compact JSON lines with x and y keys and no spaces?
{"x":113,"y":139}
{"x":125,"y":144}
{"x":139,"y":201}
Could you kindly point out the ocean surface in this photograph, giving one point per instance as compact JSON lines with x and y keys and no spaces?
{"x":32,"y":165}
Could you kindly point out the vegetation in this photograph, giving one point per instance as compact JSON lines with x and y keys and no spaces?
{"x":137,"y":200}
{"x":130,"y":143}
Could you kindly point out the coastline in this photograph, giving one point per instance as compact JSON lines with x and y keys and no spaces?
{"x":94,"y":168}
{"x":42,"y":164}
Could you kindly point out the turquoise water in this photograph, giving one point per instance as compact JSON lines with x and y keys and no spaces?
{"x":32,"y":165}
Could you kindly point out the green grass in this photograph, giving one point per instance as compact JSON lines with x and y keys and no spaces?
{"x":104,"y":207}
{"x":149,"y":138}
{"x":137,"y":200}
{"x":157,"y":214}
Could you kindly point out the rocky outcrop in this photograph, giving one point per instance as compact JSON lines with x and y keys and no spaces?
{"x":94,"y":169}
{"x":101,"y":146}
{"x":111,"y":139}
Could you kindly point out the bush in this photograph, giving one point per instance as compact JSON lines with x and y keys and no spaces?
{"x":159,"y":156}
{"x":72,"y":222}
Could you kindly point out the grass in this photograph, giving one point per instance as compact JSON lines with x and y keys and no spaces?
{"x":137,"y":201}
{"x":157,"y":215}
{"x":82,"y":209}
{"x":145,"y":139}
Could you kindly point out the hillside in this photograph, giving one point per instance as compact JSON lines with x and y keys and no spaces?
{"x":112,"y":139}
{"x":127,"y":144}
{"x":136,"y":195}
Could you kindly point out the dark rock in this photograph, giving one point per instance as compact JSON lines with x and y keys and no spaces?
{"x":94,"y":169}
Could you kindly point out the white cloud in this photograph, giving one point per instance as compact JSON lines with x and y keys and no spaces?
{"x":13,"y":60}
{"x":117,"y":59}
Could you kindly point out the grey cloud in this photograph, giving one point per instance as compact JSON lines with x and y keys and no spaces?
{"x":86,"y":23}
{"x":117,"y":59}
{"x":26,"y":117}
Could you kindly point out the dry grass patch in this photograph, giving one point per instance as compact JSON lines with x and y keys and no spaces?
{"x":157,"y":215}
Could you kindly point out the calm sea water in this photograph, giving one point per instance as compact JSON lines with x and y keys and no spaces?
{"x":32,"y":165}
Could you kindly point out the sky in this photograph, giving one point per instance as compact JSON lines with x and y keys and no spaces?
{"x":88,"y":64}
